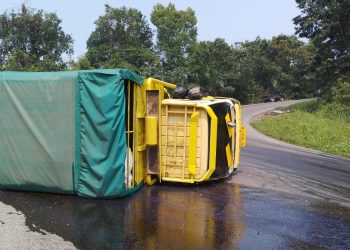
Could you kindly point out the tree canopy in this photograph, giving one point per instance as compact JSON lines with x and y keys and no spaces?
{"x":122,"y":38}
{"x":33,"y":40}
{"x":327,"y":24}
{"x":176,"y":32}
{"x":211,"y":64}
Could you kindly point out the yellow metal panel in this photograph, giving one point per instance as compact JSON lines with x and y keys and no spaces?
{"x":184,"y":148}
{"x":243,"y":134}
{"x":178,"y":180}
{"x":234,"y":134}
{"x":193,"y":143}
{"x":141,"y":148}
{"x":150,"y":181}
{"x":168,"y":142}
{"x":238,"y":129}
{"x":175,"y":135}
{"x":135,"y":158}
{"x":151,"y":130}
{"x":229,"y":129}
{"x":140,"y":115}
{"x":139,"y":133}
{"x":127,"y":176}
{"x":211,"y":98}
{"x":154,"y":84}
{"x":228,"y":156}
{"x":213,"y":141}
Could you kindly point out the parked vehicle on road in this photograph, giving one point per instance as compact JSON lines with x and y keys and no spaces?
{"x":316,"y":93}
{"x":274,"y":96}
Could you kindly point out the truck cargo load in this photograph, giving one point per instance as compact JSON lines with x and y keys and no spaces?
{"x":64,"y":132}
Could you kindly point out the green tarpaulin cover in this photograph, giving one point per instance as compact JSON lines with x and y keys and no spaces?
{"x":64,"y":132}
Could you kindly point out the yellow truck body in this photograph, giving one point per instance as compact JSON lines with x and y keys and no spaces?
{"x":181,"y":140}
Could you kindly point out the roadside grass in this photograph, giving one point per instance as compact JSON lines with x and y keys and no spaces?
{"x":310,"y":125}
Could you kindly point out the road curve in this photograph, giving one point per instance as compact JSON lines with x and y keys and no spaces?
{"x":272,"y":164}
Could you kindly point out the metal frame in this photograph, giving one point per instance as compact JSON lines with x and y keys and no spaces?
{"x":132,"y":133}
{"x":212,"y":148}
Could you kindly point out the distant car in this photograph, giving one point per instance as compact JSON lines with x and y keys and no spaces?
{"x":316,"y":93}
{"x":274,"y":96}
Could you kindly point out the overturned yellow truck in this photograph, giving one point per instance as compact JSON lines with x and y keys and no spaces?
{"x":104,"y":133}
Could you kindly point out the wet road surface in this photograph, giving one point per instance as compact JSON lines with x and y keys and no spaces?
{"x":220,"y":215}
{"x":254,"y":209}
{"x":271,"y":164}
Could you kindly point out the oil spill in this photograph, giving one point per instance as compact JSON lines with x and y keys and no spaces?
{"x":219,"y":215}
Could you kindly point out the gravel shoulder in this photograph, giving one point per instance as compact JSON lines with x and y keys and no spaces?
{"x":15,"y":234}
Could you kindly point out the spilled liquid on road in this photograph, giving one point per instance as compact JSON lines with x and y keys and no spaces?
{"x":217,"y":215}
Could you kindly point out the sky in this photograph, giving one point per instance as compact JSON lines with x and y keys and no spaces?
{"x":233,"y":20}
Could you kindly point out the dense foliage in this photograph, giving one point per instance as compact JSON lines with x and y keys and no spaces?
{"x":32,"y":41}
{"x":123,"y":37}
{"x":326,"y":23}
{"x":176,"y":32}
{"x":246,"y":70}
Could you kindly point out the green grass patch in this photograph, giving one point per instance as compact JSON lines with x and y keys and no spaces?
{"x":310,"y":125}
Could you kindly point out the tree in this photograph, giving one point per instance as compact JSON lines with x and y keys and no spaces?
{"x":291,"y":60}
{"x":122,"y":38}
{"x":253,"y":69}
{"x":327,"y":24}
{"x":210,"y":64}
{"x":262,"y":66}
{"x":33,"y":40}
{"x":176,"y":32}
{"x":82,"y":63}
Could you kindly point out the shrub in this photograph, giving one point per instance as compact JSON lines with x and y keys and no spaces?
{"x":341,"y":93}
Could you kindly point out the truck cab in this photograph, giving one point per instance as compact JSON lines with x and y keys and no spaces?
{"x":182,"y":140}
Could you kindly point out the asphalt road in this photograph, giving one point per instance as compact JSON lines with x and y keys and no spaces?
{"x":271,"y":164}
{"x":282,"y":197}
